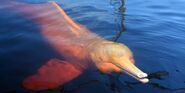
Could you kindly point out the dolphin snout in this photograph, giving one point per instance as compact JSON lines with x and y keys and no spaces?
{"x":142,"y":77}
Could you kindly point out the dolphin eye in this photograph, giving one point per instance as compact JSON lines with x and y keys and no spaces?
{"x":131,"y":59}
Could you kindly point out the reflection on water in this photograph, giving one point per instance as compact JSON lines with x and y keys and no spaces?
{"x":121,"y":13}
{"x":154,"y":30}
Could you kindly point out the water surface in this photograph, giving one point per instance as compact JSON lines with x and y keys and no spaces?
{"x":154,"y":30}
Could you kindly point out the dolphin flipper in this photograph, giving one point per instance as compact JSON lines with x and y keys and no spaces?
{"x":51,"y":75}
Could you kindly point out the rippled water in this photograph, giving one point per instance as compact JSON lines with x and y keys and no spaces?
{"x":154,"y":30}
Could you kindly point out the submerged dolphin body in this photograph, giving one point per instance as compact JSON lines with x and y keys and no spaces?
{"x":80,"y":47}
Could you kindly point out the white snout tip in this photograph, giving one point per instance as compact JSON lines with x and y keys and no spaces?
{"x":145,"y":80}
{"x":142,"y":75}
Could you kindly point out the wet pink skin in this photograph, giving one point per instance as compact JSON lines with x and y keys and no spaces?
{"x":66,"y":37}
{"x":55,"y":72}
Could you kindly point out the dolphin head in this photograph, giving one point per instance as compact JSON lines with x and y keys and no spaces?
{"x":110,"y":56}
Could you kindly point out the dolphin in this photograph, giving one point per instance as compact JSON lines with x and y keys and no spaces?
{"x":81,"y":48}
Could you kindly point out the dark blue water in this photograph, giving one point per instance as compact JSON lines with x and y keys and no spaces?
{"x":154,"y":30}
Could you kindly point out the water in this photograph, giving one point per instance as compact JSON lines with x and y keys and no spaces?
{"x":154,"y":30}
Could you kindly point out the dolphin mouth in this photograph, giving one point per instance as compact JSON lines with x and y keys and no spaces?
{"x":142,"y":77}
